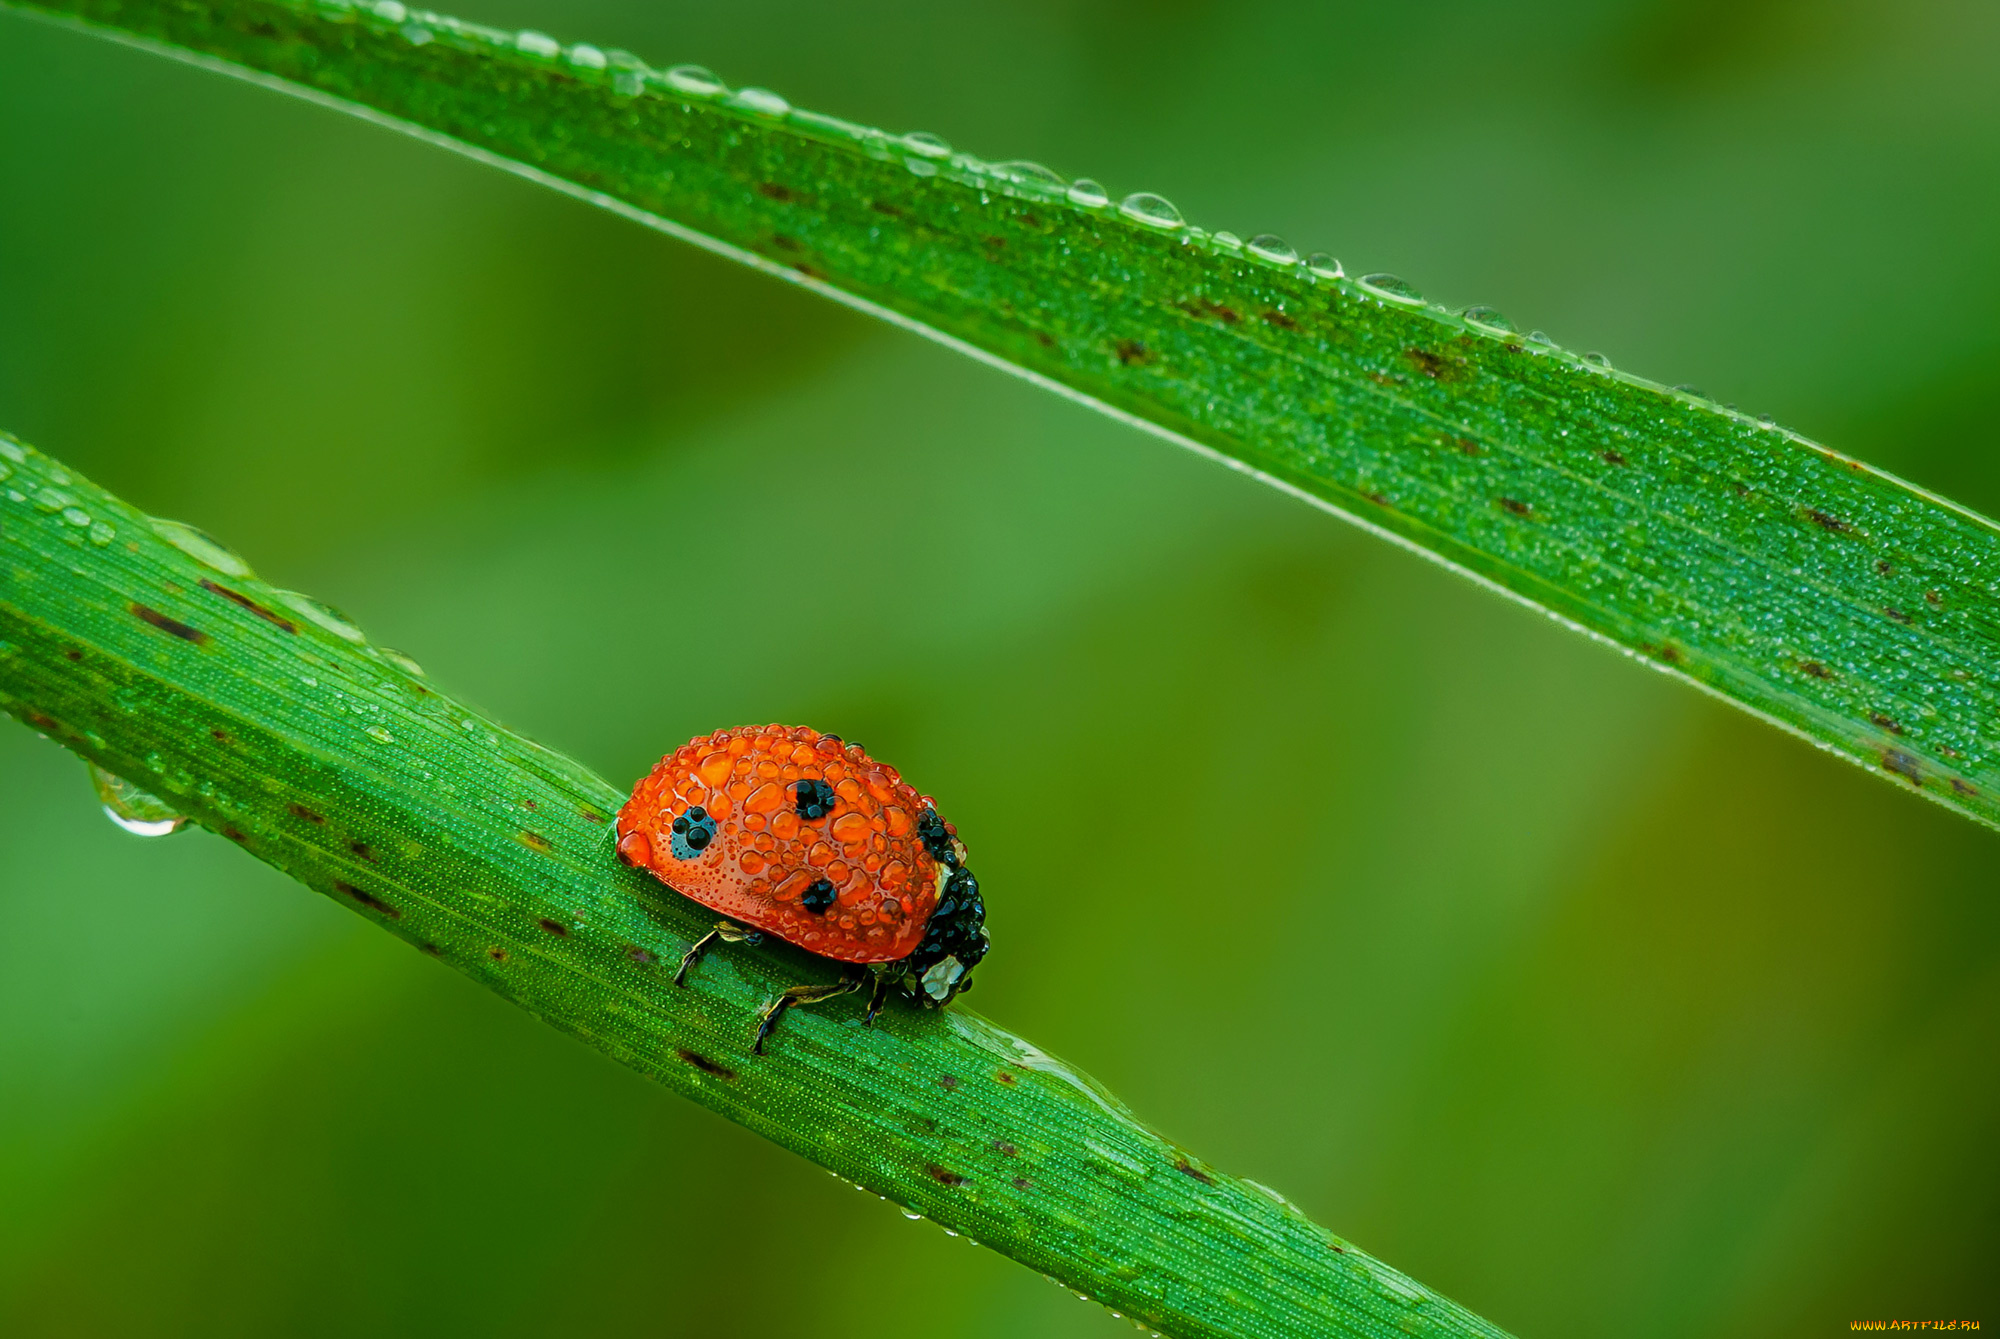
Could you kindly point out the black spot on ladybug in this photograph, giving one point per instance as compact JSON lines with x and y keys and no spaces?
{"x":367,"y":899}
{"x":173,"y":627}
{"x":692,"y":833}
{"x":556,"y":928}
{"x":275,"y":620}
{"x":944,"y":1176}
{"x":705,"y":1065}
{"x":1186,"y":1168}
{"x":813,"y":799}
{"x":936,"y":838}
{"x":818,"y":897}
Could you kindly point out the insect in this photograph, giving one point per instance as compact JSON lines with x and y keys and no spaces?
{"x":792,"y":833}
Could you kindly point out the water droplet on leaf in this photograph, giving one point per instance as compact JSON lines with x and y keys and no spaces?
{"x":1325,"y":266}
{"x":696,"y":80}
{"x":50,"y":500}
{"x":76,"y":516}
{"x":323,"y":616}
{"x":924,"y":143}
{"x":391,"y":11}
{"x":1268,"y":247}
{"x":401,"y":661}
{"x":1083,"y":191}
{"x":101,"y":534}
{"x":379,"y":735}
{"x":1488,"y":318}
{"x":139,"y":812}
{"x":202,"y":548}
{"x":1597,"y":360}
{"x":1155,"y":211}
{"x":536,"y":44}
{"x":761,"y":101}
{"x":587,"y":57}
{"x":1391,"y":287}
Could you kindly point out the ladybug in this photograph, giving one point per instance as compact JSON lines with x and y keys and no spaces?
{"x":792,"y":833}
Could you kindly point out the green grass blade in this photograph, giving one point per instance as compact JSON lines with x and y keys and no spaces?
{"x":1826,"y":597}
{"x":158,"y":655}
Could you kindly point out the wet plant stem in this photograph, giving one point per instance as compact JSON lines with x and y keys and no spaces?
{"x":269,"y":719}
{"x":1827,"y":598}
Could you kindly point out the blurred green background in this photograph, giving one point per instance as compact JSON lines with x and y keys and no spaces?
{"x":1583,"y":998}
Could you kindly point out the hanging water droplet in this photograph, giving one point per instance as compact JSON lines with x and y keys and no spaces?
{"x":1691,"y":390}
{"x":139,"y":812}
{"x":200,"y":547}
{"x":1539,"y":337}
{"x":587,"y":57}
{"x":1155,"y":211}
{"x":1597,"y":360}
{"x":1489,"y":318}
{"x":1325,"y":266}
{"x":696,"y":80}
{"x":761,"y":101}
{"x":1083,"y":191}
{"x":1226,"y":241}
{"x":401,"y":661}
{"x":536,"y":44}
{"x":1391,"y":287}
{"x":910,"y":1214}
{"x":101,"y":534}
{"x":1269,"y":247}
{"x":324,"y":616}
{"x":924,"y":143}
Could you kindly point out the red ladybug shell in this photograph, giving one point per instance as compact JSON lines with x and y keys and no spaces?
{"x":764,"y":854}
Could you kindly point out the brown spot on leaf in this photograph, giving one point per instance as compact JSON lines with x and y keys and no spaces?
{"x":1003,"y":1076}
{"x":1613,"y":457}
{"x":944,"y":1176}
{"x":1045,"y":339}
{"x":1516,"y":506}
{"x":884,"y":207}
{"x":1904,"y":765}
{"x":1826,"y":522}
{"x":1468,"y":446}
{"x":1885,"y":722}
{"x":367,"y":899}
{"x":300,"y":811}
{"x":362,"y":849}
{"x":771,"y":190}
{"x":556,"y":928}
{"x":432,"y":949}
{"x":72,"y":655}
{"x":948,"y":1082}
{"x":1279,"y":319}
{"x":497,"y":953}
{"x":1962,"y":788}
{"x":992,"y":243}
{"x":1432,"y":366}
{"x":1132,"y":353}
{"x":1021,"y":1183}
{"x":639,"y":955}
{"x":1817,"y":670}
{"x":534,"y":841}
{"x":1934,"y":599}
{"x":705,"y":1065}
{"x":220,"y":736}
{"x":590,"y":815}
{"x":1005,"y":1149}
{"x":234,"y":833}
{"x":1186,"y":1168}
{"x":173,"y":627}
{"x":1882,"y":566}
{"x":235,"y":597}
{"x":1896,"y":614}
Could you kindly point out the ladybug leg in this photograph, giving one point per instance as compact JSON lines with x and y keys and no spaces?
{"x":847,"y":985}
{"x":875,"y":998}
{"x":729,"y":932}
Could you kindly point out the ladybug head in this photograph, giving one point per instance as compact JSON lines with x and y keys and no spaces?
{"x":955,"y":936}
